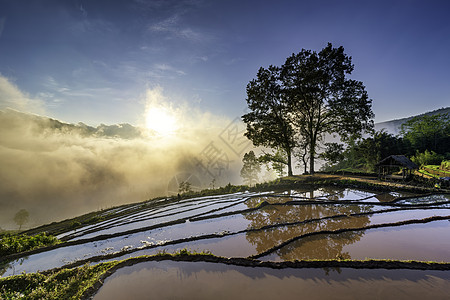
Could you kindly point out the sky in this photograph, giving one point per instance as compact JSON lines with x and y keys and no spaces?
{"x":73,"y":72}
{"x":95,"y":61}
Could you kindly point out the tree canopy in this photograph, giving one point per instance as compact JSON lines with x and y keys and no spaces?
{"x":428,"y":132}
{"x":269,"y":120}
{"x":296,"y":104}
{"x":251,"y":168}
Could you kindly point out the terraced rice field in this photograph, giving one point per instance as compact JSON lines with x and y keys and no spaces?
{"x":324,"y":224}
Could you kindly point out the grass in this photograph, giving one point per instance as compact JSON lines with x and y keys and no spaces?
{"x":184,"y":252}
{"x":61,"y":284}
{"x":70,"y":283}
{"x":433,"y":171}
{"x":16,"y":243}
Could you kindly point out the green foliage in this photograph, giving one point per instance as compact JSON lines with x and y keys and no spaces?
{"x":250,"y":169}
{"x":427,"y":158}
{"x":445,"y":165}
{"x":63,"y":284}
{"x":428,"y":132}
{"x":278,"y":161}
{"x":334,"y":152}
{"x":365,"y":153}
{"x":10,"y":244}
{"x":75,"y":224}
{"x":186,"y":252}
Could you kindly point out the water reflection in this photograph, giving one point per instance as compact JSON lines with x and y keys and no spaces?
{"x":423,"y":242}
{"x":199,"y":280}
{"x":7,"y":266}
{"x":265,"y":239}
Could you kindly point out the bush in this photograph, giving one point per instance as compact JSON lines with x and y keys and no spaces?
{"x":445,"y":165}
{"x":10,"y":244}
{"x":427,"y":158}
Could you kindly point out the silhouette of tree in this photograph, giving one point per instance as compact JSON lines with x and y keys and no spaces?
{"x":268,"y":122}
{"x":296,"y":104}
{"x":251,"y":168}
{"x":185,"y":187}
{"x":21,"y":217}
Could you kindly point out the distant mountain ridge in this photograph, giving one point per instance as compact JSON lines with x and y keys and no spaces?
{"x":10,"y":117}
{"x":394,"y":126}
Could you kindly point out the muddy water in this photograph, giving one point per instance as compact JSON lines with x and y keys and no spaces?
{"x":188,"y":280}
{"x":423,"y":242}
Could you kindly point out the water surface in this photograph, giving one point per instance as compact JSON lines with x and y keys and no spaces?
{"x":201,"y":280}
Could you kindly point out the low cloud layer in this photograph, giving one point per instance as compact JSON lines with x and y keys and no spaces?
{"x":12,"y":97}
{"x":56,"y":170}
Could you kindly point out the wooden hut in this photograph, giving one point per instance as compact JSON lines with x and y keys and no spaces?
{"x":397,"y":167}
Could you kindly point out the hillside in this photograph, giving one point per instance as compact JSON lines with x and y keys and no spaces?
{"x":393,"y":126}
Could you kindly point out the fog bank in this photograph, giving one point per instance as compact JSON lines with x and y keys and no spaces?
{"x":56,"y":170}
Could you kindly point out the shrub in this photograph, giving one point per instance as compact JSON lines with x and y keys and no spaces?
{"x":10,"y":244}
{"x":427,"y":158}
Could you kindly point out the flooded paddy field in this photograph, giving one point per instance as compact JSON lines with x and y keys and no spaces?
{"x":323,"y":224}
{"x":203,"y":280}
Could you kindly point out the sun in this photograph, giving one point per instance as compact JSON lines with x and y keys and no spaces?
{"x":161,"y":121}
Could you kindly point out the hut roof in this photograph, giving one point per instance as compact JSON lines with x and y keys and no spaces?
{"x":398,"y":160}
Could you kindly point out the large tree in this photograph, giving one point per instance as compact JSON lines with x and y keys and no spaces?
{"x":307,"y":97}
{"x":268,"y":122}
{"x":322,"y":99}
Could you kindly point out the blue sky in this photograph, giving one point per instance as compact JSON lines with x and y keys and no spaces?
{"x":93,"y":61}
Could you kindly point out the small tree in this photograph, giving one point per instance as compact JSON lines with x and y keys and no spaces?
{"x":278,"y":161}
{"x":250,"y":169}
{"x":21,"y":217}
{"x":185,"y":187}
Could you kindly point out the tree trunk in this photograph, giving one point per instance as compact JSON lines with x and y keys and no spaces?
{"x":289,"y":162}
{"x":312,"y":148}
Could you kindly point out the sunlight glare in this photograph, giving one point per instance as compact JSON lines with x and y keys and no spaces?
{"x":161,"y":121}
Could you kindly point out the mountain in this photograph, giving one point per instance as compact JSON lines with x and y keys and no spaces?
{"x":394,"y":126}
{"x":10,"y":118}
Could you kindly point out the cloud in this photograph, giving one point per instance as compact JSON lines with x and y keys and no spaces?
{"x":173,"y":28}
{"x":168,"y":68}
{"x":12,"y":97}
{"x":57,"y":170}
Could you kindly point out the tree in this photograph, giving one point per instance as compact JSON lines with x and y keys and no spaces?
{"x":365,"y":153}
{"x":269,"y":123}
{"x":428,"y":133}
{"x":322,"y":100}
{"x":296,"y":104}
{"x":21,"y":217}
{"x":185,"y":187}
{"x":277,"y":160}
{"x":427,"y":158}
{"x":251,"y":168}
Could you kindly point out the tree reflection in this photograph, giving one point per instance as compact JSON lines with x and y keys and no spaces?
{"x":329,"y":247}
{"x":5,"y":266}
